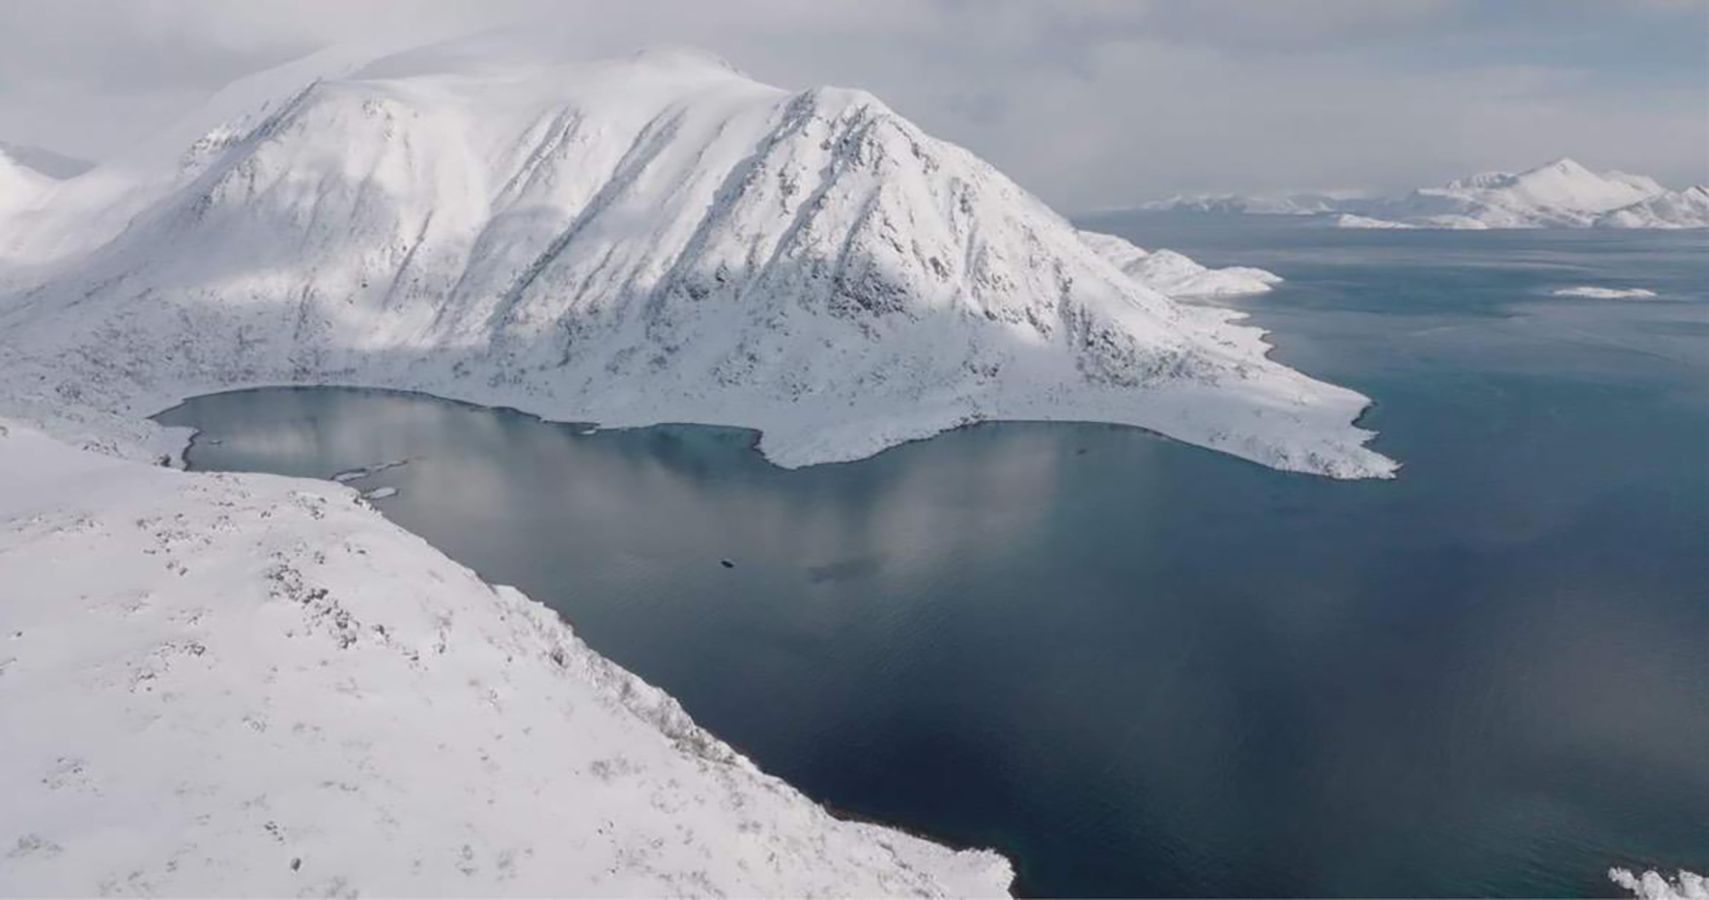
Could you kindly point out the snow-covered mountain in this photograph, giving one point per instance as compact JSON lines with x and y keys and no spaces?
{"x":1558,"y":194}
{"x":657,"y":238}
{"x":1688,"y":208}
{"x":1304,"y":204}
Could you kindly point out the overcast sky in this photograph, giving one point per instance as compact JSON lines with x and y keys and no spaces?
{"x":1090,"y":103}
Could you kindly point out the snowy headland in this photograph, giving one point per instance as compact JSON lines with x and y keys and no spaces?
{"x":223,"y":683}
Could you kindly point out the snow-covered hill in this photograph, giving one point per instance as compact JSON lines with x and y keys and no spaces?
{"x":1176,"y":275}
{"x":657,"y":238}
{"x":1670,"y":209}
{"x":1559,"y":194}
{"x":246,"y":685}
{"x":20,"y":185}
{"x":1257,"y":204}
{"x":28,"y":176}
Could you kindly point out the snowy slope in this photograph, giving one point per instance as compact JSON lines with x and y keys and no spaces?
{"x":1670,"y":209}
{"x":1652,"y":885}
{"x":1257,"y":205}
{"x":657,"y":238}
{"x":20,"y":185}
{"x":1562,"y":191}
{"x":251,"y":685}
{"x":1559,"y":194}
{"x":1176,"y":275}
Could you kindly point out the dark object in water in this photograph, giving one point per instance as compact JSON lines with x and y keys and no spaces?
{"x":727,"y":564}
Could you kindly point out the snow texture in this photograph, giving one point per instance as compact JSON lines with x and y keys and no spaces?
{"x":255,"y":685}
{"x":1174,"y":274}
{"x":1603,"y":293}
{"x":1671,"y":209}
{"x":1655,"y":886}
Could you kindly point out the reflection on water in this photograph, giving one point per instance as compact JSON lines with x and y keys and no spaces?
{"x":1143,"y":668}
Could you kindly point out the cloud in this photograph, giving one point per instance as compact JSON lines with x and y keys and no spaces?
{"x":1090,"y":103}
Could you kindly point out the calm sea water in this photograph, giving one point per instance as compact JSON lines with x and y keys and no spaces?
{"x":1141,"y":668}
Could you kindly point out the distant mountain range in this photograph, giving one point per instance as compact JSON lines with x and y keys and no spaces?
{"x":1559,"y":194}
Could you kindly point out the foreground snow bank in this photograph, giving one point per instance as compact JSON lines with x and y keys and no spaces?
{"x":1603,"y":293}
{"x":245,"y":684}
{"x":1655,"y":886}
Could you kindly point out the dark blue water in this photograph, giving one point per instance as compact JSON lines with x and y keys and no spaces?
{"x":1142,"y":668}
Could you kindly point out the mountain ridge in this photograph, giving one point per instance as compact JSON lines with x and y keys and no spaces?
{"x":1561,"y":193}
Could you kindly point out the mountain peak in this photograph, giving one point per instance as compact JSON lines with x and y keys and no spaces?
{"x":683,"y":56}
{"x":1565,"y":165}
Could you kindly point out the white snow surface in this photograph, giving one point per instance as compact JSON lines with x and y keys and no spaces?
{"x":21,"y":187}
{"x":1688,"y":208}
{"x":1558,"y":194}
{"x":1603,"y":293}
{"x":1655,"y":886}
{"x":1349,"y":220}
{"x":656,"y":238}
{"x":256,"y":685}
{"x":1174,"y":274}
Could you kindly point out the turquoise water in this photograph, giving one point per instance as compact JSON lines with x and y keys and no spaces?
{"x":1141,"y":668}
